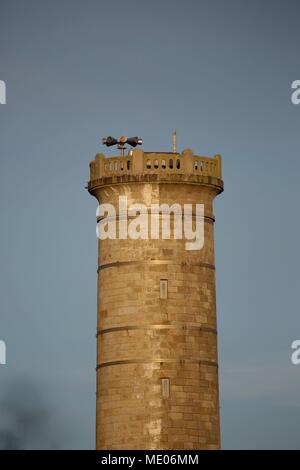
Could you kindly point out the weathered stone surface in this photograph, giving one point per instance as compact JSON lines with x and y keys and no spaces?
{"x":142,"y":338}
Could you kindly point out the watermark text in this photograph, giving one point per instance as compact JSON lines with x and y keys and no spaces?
{"x":159,"y":221}
{"x":295,"y":97}
{"x":2,"y":92}
{"x":2,"y":352}
{"x":295,"y":357}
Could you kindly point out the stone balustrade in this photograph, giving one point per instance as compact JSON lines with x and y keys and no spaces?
{"x":138,"y":162}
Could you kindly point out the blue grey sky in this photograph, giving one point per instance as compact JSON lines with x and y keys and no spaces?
{"x":220,"y":72}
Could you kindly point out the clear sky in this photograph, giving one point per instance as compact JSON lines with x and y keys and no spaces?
{"x":220,"y":72}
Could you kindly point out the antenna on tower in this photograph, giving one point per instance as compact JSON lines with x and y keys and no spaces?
{"x":174,"y":135}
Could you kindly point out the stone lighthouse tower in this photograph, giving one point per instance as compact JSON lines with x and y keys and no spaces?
{"x":157,"y":367}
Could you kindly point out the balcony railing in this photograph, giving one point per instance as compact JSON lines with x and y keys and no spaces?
{"x":139,"y":162}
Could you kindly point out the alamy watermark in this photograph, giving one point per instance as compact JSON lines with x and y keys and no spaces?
{"x":2,"y":352}
{"x":295,"y":97}
{"x":2,"y":343}
{"x":295,"y":357}
{"x":139,"y":222}
{"x":2,"y":92}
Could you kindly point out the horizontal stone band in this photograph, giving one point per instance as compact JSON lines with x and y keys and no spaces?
{"x":176,"y":178}
{"x":207,"y":218}
{"x":155,"y":361}
{"x":153,"y":261}
{"x":206,"y":329}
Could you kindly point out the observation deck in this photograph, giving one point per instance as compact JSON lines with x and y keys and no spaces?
{"x":141,"y":166}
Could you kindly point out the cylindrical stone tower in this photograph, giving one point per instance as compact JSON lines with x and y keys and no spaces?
{"x":157,"y":368}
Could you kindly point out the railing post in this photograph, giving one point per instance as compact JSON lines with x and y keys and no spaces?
{"x":137,"y":161}
{"x":219,"y":165}
{"x":99,"y":170}
{"x":188,"y":161}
